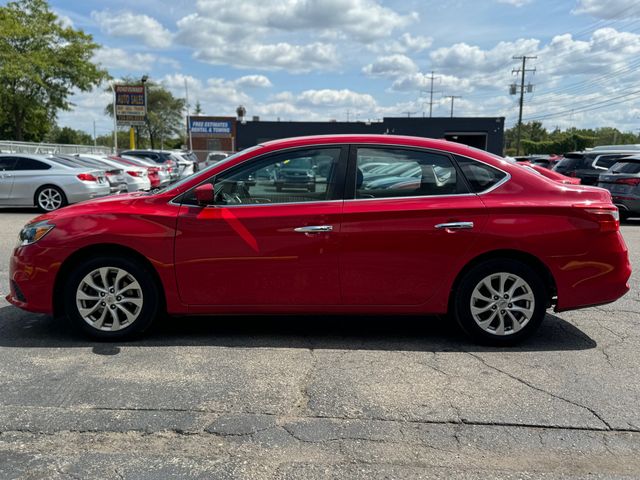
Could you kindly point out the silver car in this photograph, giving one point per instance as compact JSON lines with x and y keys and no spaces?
{"x":163,"y":170}
{"x":34,"y":180}
{"x":114,"y":175}
{"x":137,"y":178}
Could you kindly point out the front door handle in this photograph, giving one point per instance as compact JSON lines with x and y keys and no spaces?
{"x":314,"y":229}
{"x":455,"y":225}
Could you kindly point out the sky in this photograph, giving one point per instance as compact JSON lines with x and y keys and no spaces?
{"x":361,"y":60}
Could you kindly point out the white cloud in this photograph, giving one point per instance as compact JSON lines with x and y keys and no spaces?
{"x":137,"y":26}
{"x":610,"y":9}
{"x":421,"y":81}
{"x":253,"y":81}
{"x":119,"y":59}
{"x":336,"y":98}
{"x":293,"y":35}
{"x":515,"y":3}
{"x":294,"y":58}
{"x":363,"y":20}
{"x":391,"y":66}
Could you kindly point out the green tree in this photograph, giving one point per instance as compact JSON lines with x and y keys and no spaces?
{"x":198,"y":110}
{"x":68,"y":136}
{"x":165,"y":114}
{"x":41,"y":63}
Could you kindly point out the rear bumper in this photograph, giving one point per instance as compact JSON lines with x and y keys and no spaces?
{"x":626,"y":203}
{"x":601,"y":277}
{"x":88,"y":191}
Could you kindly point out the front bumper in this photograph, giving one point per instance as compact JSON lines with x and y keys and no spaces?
{"x":32,"y":274}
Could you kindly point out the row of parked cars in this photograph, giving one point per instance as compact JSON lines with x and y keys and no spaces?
{"x":52,"y":181}
{"x":613,"y":167}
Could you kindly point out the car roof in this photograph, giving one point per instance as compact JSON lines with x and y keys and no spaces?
{"x":380,"y":139}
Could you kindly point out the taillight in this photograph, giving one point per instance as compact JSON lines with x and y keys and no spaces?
{"x":608,"y":217}
{"x":153,"y":169}
{"x":134,"y":173}
{"x":628,"y":181}
{"x":87,"y":177}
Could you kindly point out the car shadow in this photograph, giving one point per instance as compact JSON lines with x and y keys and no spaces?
{"x":387,"y":333}
{"x":33,"y":210}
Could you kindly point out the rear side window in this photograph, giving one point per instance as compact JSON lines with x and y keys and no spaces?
{"x":626,"y":167}
{"x":480,"y":176}
{"x":30,"y":164}
{"x":405,"y":173}
{"x":607,"y":161}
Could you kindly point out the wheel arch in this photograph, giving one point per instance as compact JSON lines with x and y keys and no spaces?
{"x":506,"y":254}
{"x":103,"y":249}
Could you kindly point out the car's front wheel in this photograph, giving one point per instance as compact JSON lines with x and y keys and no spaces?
{"x":500,"y":302}
{"x":111,"y":298}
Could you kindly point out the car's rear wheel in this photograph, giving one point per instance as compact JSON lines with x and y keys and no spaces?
{"x":49,"y":198}
{"x":500,"y":302}
{"x":110,"y":298}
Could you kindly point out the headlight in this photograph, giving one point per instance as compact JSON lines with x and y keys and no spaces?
{"x":33,"y":232}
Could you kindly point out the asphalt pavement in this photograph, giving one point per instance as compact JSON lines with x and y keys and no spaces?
{"x":320,"y":397}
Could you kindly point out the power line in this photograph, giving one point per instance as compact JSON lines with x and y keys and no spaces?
{"x":593,"y":106}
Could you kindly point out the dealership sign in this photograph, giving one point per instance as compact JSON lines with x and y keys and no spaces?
{"x":215,"y":127}
{"x":131,"y":104}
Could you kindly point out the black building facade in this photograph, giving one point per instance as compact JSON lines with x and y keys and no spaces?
{"x":484,"y":133}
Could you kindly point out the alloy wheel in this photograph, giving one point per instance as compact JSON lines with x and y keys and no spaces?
{"x":109,"y":299}
{"x":49,"y":199}
{"x":502,"y":303}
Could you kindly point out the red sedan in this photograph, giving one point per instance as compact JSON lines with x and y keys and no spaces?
{"x":490,"y":243}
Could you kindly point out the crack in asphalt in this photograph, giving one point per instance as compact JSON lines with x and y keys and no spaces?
{"x":534,"y":387}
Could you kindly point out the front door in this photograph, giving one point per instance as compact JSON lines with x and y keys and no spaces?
{"x":403,"y":233}
{"x":262,"y":243}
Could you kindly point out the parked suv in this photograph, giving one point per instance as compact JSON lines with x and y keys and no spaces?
{"x":587,"y":166}
{"x":623,"y":181}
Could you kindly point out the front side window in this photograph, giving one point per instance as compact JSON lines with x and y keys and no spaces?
{"x":309,"y":175}
{"x":405,"y":173}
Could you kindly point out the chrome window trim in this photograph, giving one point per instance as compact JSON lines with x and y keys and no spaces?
{"x":428,"y":149}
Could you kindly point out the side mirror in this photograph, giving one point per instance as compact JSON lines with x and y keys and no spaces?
{"x":204,"y":194}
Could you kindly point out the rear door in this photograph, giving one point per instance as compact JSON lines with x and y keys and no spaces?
{"x":6,"y":176}
{"x":400,"y":241}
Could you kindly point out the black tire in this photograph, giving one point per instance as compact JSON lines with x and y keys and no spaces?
{"x":37,"y":200}
{"x":624,"y":215}
{"x":146,"y":313}
{"x":463,"y":295}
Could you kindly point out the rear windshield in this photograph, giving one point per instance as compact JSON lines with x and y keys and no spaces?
{"x":65,"y":162}
{"x":626,"y":167}
{"x":568,"y":161}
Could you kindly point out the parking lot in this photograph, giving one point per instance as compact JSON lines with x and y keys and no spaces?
{"x":320,"y":397}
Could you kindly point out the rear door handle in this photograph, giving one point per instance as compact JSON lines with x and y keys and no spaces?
{"x":455,"y":225}
{"x":314,"y":229}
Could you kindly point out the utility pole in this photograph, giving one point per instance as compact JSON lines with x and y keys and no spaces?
{"x":452,"y":97}
{"x":513,"y":90}
{"x":431,"y":79}
{"x":186,"y":93}
{"x":409,"y":114}
{"x":95,"y":144}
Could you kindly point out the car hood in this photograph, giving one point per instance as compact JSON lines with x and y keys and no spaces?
{"x":98,"y":205}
